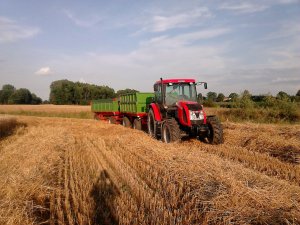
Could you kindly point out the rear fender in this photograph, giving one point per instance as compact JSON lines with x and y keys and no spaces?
{"x":156,"y":111}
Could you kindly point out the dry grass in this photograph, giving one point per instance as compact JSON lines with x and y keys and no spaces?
{"x":45,"y":108}
{"x":65,"y":111}
{"x":7,"y":125}
{"x":69,"y":171}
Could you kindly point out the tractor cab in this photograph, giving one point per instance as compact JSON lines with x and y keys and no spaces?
{"x":169,"y":92}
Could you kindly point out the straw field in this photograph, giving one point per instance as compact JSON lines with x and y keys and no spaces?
{"x":71,"y":171}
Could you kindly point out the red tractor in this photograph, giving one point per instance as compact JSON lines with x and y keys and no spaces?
{"x":176,"y":112}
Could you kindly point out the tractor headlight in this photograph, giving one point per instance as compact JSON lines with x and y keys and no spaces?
{"x":196,"y":115}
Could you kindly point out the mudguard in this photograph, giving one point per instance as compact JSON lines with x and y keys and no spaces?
{"x":156,"y":111}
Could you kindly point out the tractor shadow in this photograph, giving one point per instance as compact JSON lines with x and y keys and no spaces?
{"x":104,"y":192}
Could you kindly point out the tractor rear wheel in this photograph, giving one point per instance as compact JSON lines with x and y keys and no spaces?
{"x":170,"y":131}
{"x":137,"y":124}
{"x":112,"y":120}
{"x":126,"y":122}
{"x":215,"y":135}
{"x":152,"y":130}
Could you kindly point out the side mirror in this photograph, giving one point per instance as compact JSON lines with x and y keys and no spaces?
{"x":155,"y":88}
{"x":205,"y":85}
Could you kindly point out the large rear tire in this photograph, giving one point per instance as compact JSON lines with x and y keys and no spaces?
{"x":137,"y":124}
{"x":215,"y":135}
{"x":126,"y":122}
{"x":170,"y":131}
{"x":152,"y":130}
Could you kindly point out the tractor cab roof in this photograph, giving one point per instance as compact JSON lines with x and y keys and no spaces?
{"x":176,"y":81}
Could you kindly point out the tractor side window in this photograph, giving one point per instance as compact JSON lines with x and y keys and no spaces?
{"x":157,"y":93}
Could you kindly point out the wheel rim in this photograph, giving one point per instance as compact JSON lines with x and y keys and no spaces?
{"x":109,"y":121}
{"x":166,"y":134}
{"x":150,"y":125}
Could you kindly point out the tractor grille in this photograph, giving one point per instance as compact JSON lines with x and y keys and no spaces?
{"x":194,"y":107}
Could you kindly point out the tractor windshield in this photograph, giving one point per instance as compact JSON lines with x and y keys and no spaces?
{"x":180,"y":91}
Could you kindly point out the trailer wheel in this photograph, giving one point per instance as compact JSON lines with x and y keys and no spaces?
{"x":137,"y":124}
{"x":151,"y":124}
{"x":170,"y":131}
{"x":112,"y":120}
{"x":215,"y":135}
{"x":126,"y":122}
{"x":96,"y":116}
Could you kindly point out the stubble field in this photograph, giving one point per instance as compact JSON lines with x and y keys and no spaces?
{"x":81,"y":171}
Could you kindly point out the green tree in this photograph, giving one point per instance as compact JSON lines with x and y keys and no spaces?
{"x":6,"y":92}
{"x":68,"y":92}
{"x":233,"y":96}
{"x":126,"y":91}
{"x":283,"y":96}
{"x":211,"y":96}
{"x":245,"y":100}
{"x":20,"y":96}
{"x":246,"y":94}
{"x":298,"y":93}
{"x":35,"y":100}
{"x":220,"y":97}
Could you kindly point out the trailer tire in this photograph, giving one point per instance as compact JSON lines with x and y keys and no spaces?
{"x":126,"y":122}
{"x":137,"y":124}
{"x":151,"y":123}
{"x":112,"y":120}
{"x":215,"y":135}
{"x":170,"y":131}
{"x":96,"y":116}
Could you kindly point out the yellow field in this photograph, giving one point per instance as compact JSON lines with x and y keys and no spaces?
{"x":71,"y":171}
{"x":45,"y":108}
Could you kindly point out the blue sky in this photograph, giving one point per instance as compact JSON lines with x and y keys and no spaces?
{"x":233,"y":45}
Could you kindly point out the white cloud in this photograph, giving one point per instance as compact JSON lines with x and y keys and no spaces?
{"x":87,"y":22}
{"x":253,"y":6}
{"x":43,"y":71}
{"x":185,"y":19}
{"x":185,"y":39}
{"x":244,"y":7}
{"x":11,"y":31}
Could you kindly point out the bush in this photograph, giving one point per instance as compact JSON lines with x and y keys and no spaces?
{"x":210,"y":103}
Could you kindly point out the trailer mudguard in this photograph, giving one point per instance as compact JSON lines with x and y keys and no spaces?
{"x":156,"y":111}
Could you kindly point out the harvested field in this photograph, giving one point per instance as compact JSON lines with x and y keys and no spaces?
{"x":65,"y":111}
{"x":45,"y":108}
{"x":70,"y":171}
{"x":7,"y":125}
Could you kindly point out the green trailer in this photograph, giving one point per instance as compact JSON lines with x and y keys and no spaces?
{"x":129,"y":109}
{"x":135,"y":102}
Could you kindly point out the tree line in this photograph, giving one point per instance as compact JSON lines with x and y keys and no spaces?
{"x":10,"y":95}
{"x":64,"y":92}
{"x":214,"y":97}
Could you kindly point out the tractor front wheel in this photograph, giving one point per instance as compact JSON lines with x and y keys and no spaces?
{"x":170,"y":131}
{"x":215,"y":135}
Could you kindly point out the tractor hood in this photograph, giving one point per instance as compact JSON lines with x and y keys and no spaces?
{"x":189,"y":111}
{"x":194,"y":106}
